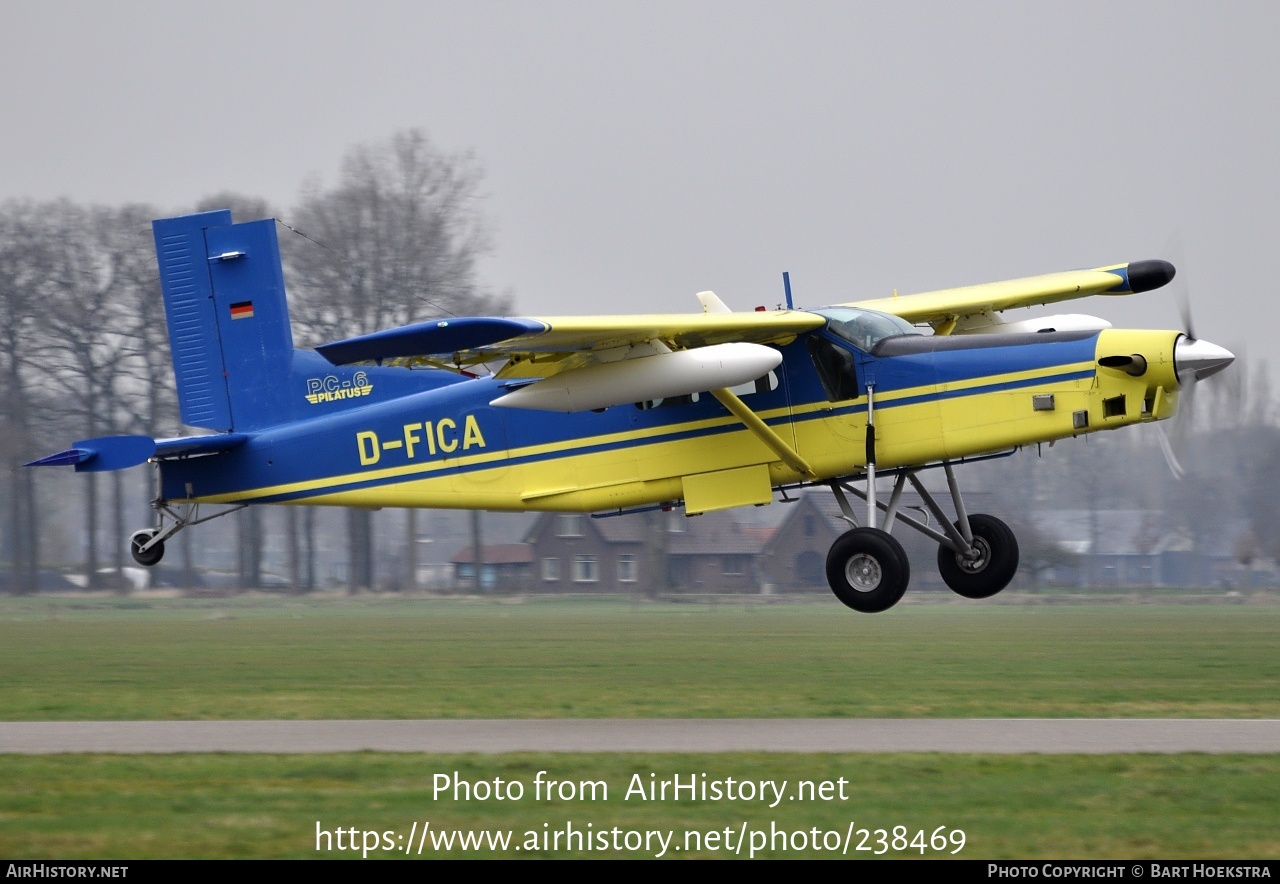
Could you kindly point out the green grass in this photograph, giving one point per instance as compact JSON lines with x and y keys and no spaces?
{"x":79,"y":659}
{"x":1022,"y":807}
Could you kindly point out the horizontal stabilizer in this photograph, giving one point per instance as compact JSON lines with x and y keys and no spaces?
{"x":108,"y":453}
{"x":189,"y":446}
{"x":68,"y":458}
{"x":438,"y":337}
{"x":102,"y":454}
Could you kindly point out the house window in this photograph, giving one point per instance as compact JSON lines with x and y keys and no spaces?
{"x":551,"y":569}
{"x":569,"y":525}
{"x":626,"y":569}
{"x":810,"y":527}
{"x":586,"y":569}
{"x":678,"y":571}
{"x":809,"y":568}
{"x":734,"y":564}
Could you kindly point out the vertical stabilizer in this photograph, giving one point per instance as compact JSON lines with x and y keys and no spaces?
{"x":228,"y":321}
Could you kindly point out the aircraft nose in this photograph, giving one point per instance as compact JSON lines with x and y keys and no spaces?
{"x":1195,"y":360}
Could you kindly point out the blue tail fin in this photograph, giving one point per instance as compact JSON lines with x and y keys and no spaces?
{"x":228,"y":321}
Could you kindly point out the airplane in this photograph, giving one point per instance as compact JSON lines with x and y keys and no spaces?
{"x":612,"y":415}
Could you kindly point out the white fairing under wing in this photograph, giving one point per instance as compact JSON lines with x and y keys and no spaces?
{"x":990,"y":324}
{"x":652,"y":377}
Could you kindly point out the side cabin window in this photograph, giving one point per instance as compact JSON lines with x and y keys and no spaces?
{"x":668,"y":402}
{"x":763,"y":384}
{"x":836,"y":369}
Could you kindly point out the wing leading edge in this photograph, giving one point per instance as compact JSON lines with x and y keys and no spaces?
{"x":545,"y":346}
{"x":541,"y":347}
{"x":950,"y":305}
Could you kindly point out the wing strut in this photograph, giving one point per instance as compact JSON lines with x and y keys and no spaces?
{"x":762,"y":432}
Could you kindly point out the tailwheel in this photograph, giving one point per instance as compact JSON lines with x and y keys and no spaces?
{"x":868,"y":570}
{"x":990,"y":571}
{"x":150,"y":556}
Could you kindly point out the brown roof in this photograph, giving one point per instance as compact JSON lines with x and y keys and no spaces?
{"x":762,"y":534}
{"x":499,"y":554}
{"x":622,"y":529}
{"x":714,"y":533}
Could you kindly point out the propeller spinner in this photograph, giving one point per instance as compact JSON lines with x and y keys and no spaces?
{"x":1195,"y":360}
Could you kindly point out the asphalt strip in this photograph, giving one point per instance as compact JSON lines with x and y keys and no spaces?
{"x":1059,"y":736}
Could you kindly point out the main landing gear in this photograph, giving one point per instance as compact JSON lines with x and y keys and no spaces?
{"x":147,"y":544}
{"x":868,"y":569}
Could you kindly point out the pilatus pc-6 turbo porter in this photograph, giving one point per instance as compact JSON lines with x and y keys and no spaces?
{"x":616,"y":414}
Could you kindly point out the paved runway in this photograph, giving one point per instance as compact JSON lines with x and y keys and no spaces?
{"x":998,"y":735}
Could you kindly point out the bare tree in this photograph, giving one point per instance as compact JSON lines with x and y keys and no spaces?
{"x":395,"y":242}
{"x":398,"y":240}
{"x":22,"y":262}
{"x":96,"y":305}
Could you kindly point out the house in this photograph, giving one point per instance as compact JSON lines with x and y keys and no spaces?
{"x":573,"y":552}
{"x":713,"y":552}
{"x":507,"y":566}
{"x":1127,"y":548}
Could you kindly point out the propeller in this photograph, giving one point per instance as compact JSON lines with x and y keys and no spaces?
{"x":1184,"y":311}
{"x":1193,"y":361}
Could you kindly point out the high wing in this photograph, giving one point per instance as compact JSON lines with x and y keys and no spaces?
{"x":942,"y":309}
{"x":547,"y":346}
{"x":542,"y":347}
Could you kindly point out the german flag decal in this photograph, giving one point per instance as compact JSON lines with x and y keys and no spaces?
{"x":242,"y":310}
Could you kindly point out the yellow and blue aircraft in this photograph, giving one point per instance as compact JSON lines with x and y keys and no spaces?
{"x":616,"y":414}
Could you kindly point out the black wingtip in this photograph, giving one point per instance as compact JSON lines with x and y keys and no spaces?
{"x":1147,"y":275}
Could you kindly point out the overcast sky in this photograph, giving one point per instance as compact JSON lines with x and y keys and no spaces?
{"x":636,"y":153}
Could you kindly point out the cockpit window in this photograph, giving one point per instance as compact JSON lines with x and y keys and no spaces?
{"x":836,"y":367}
{"x":865,"y":328}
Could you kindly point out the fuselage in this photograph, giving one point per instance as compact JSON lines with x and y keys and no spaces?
{"x":388,"y":436}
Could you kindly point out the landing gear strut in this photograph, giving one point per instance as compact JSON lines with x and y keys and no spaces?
{"x":867,"y":568}
{"x":147,"y":545}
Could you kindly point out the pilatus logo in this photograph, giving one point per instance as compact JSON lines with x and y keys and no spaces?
{"x":331,"y":388}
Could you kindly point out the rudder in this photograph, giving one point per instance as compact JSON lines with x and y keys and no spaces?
{"x":228,"y":319}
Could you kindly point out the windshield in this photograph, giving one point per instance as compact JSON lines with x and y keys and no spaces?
{"x":865,"y":328}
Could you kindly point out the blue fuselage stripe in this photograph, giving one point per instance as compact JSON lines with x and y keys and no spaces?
{"x":680,"y":435}
{"x":271,"y":460}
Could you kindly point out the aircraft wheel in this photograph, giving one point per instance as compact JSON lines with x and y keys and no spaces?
{"x":151,"y":556}
{"x":868,"y":570}
{"x":995,"y":566}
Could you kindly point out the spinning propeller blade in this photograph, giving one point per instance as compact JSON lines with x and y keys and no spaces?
{"x":1194,"y":360}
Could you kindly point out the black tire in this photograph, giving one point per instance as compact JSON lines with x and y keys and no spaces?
{"x":867,"y":569}
{"x":151,"y":556}
{"x":992,"y":571}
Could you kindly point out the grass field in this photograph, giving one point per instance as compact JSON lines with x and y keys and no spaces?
{"x":108,"y":658}
{"x":377,"y":658}
{"x":1020,"y":807}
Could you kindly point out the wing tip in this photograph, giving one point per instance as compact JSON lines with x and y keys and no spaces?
{"x":1145,"y":276}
